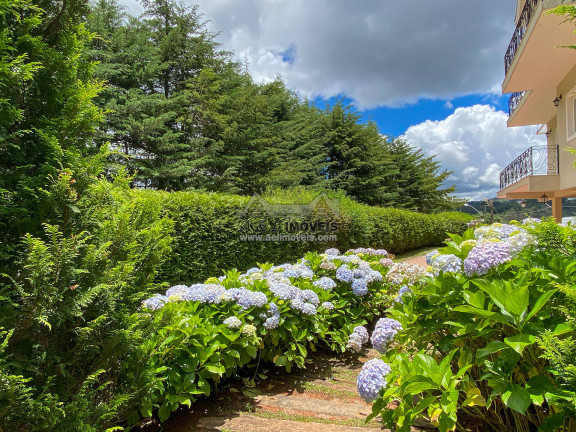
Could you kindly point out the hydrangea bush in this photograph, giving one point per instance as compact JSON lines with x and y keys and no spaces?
{"x":472,"y":339}
{"x":274,"y":313}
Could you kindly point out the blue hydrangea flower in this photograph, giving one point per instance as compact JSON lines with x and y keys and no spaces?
{"x":157,"y":301}
{"x":431,"y":255}
{"x":448,"y":263}
{"x":310,"y":297}
{"x":308,"y":309}
{"x":252,"y":270}
{"x":179,"y":292}
{"x":403,"y":290}
{"x":357,"y":338}
{"x":344,"y":274}
{"x":361,"y":330}
{"x":383,"y":334}
{"x":372,"y":379}
{"x":233,"y":322}
{"x":272,"y":308}
{"x":325,"y":283}
{"x":284,"y":291}
{"x":360,"y":287}
{"x":272,"y":322}
{"x":328,"y":305}
{"x":485,"y":256}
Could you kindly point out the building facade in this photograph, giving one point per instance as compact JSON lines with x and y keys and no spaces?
{"x":540,"y":74}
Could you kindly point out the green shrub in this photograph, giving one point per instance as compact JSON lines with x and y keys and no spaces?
{"x":194,"y":347}
{"x":488,"y":341}
{"x":73,"y":353}
{"x":207,"y":231}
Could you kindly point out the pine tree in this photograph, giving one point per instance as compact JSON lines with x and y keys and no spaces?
{"x":355,"y":158}
{"x":419,"y":181}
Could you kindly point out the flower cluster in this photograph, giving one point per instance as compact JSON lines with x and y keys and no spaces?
{"x":368,"y":251}
{"x":404,"y":273}
{"x":445,"y":263}
{"x":325,"y":283}
{"x":358,"y":338}
{"x":233,"y":322}
{"x":386,"y":262}
{"x":495,"y":231}
{"x":485,"y":256}
{"x":272,"y":318}
{"x":383,"y":334}
{"x":372,"y":379}
{"x":328,"y":305}
{"x":344,"y":274}
{"x":155,"y":302}
{"x":519,"y":241}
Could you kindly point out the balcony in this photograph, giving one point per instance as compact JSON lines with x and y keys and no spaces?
{"x":535,"y":63}
{"x":536,"y":161}
{"x":519,"y":33}
{"x":514,"y":101}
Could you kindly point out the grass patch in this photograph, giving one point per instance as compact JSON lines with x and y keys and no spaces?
{"x":331,"y":391}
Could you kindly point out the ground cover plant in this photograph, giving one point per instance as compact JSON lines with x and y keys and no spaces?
{"x":486,"y":339}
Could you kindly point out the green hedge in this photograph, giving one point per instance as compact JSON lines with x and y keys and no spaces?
{"x":207,"y":231}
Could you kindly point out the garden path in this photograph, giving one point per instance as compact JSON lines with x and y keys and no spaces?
{"x":320,"y":398}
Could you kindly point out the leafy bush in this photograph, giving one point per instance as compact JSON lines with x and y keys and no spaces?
{"x":274,"y":314}
{"x":485,"y":340}
{"x":73,"y":353}
{"x":208,"y":228}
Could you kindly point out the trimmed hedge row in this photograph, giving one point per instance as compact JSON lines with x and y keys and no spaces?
{"x":208,"y":228}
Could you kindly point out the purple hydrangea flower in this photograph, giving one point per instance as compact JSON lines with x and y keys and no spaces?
{"x":485,"y":256}
{"x":372,"y":379}
{"x":332,"y":251}
{"x":383,"y":334}
{"x":361,"y":330}
{"x":354,"y":342}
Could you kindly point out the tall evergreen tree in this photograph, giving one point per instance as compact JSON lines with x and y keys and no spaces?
{"x":419,"y":181}
{"x":355,"y":158}
{"x":148,"y":103}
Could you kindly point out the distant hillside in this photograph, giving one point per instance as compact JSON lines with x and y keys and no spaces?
{"x":507,"y":210}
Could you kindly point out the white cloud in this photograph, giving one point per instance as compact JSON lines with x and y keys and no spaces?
{"x":377,"y":52}
{"x":476,"y":144}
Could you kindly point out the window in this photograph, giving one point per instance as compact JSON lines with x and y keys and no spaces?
{"x":571,"y":114}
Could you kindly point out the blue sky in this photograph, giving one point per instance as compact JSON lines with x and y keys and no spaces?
{"x":394,"y":121}
{"x":430,"y":71}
